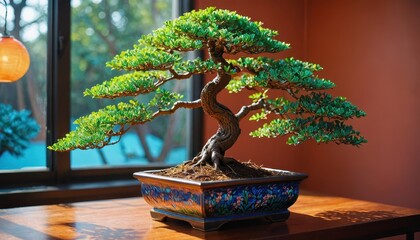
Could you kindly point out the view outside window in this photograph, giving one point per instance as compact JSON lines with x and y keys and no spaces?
{"x":23,"y":103}
{"x":101,"y":29}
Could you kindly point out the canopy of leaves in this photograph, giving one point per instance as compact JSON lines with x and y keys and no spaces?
{"x":130,"y":84}
{"x":277,"y":74}
{"x":157,"y":59}
{"x":302,"y":129}
{"x":318,"y":115}
{"x":104,"y":127}
{"x":308,"y":113}
{"x":237,"y":33}
{"x":144,"y":82}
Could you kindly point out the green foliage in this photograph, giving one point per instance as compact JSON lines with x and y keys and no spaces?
{"x":239,"y":33}
{"x":196,"y":66}
{"x":16,"y":129}
{"x":166,"y":38}
{"x":302,"y":129}
{"x":164,"y":99}
{"x":308,"y":114}
{"x":98,"y":129}
{"x":105,"y":126}
{"x":281,"y":74}
{"x":259,"y":115}
{"x":130,"y":84}
{"x":305,"y":113}
{"x":143,"y":58}
{"x":317,"y":104}
{"x":319,"y":116}
{"x":141,"y":82}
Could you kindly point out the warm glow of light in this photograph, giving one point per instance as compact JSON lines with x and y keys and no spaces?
{"x":14,"y":59}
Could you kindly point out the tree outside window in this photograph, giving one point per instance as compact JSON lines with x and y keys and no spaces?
{"x":99,"y":30}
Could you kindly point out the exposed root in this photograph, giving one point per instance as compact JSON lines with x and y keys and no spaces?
{"x":217,"y":160}
{"x":210,"y":154}
{"x":200,"y":159}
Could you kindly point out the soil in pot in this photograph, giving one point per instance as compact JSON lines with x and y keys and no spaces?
{"x":233,"y":169}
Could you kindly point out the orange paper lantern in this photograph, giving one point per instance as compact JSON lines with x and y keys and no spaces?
{"x":14,"y":59}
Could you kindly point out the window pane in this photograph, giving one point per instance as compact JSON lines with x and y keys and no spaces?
{"x":23,"y":103}
{"x":100,"y":30}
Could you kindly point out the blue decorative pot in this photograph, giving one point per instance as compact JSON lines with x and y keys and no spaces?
{"x":208,"y":205}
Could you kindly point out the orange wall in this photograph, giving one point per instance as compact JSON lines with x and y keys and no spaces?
{"x":371,"y":50}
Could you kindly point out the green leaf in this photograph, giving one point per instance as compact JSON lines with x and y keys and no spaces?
{"x":259,"y":116}
{"x":164,"y":99}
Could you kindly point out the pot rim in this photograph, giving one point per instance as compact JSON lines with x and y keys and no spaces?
{"x":287,"y":176}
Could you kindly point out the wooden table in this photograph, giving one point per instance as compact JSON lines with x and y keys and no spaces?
{"x":313,"y":217}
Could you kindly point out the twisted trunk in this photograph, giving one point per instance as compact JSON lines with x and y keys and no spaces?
{"x":228,"y":132}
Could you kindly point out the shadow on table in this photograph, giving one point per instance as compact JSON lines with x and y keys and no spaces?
{"x":244,"y":229}
{"x":72,"y":230}
{"x":296,"y":227}
{"x":356,"y":216}
{"x":87,"y":230}
{"x":18,"y":231}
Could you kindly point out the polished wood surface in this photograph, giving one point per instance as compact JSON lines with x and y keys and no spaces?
{"x":313,"y":217}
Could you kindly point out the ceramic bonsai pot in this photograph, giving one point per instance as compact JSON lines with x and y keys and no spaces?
{"x":208,"y":205}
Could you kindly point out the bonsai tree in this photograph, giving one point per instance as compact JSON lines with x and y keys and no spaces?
{"x":304,"y":110}
{"x":16,"y":129}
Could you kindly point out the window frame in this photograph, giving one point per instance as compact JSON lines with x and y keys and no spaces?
{"x":67,"y":183}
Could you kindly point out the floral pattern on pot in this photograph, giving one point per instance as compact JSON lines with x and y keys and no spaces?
{"x":174,"y":199}
{"x":249,"y":199}
{"x":222,"y":201}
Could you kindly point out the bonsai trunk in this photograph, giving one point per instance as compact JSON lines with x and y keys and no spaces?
{"x":228,"y":132}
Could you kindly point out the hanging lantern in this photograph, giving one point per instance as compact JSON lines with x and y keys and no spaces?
{"x":14,"y":59}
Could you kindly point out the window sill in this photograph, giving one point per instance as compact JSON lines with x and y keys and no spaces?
{"x":75,"y":192}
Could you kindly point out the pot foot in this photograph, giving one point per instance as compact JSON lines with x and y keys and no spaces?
{"x":157,"y":216}
{"x":214,"y":223}
{"x":206,"y":226}
{"x":281,"y":217}
{"x":195,"y":222}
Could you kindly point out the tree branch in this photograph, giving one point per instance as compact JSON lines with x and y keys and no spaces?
{"x":186,"y":75}
{"x":178,"y":76}
{"x":176,"y":106}
{"x":246,"y":109}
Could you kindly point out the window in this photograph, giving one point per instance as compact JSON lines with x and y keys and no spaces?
{"x":23,"y":104}
{"x":69,"y":43}
{"x":99,"y":30}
